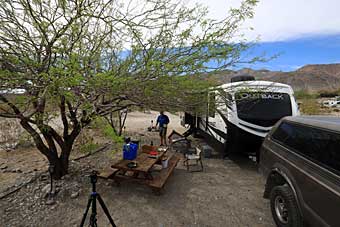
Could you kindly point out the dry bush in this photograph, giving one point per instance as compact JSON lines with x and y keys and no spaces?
{"x":10,"y":134}
{"x":312,"y":107}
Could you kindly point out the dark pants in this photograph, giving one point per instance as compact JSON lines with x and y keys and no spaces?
{"x":162,"y":132}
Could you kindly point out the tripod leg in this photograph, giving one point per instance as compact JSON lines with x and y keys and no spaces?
{"x":93,"y":217}
{"x":106,"y":211}
{"x":93,"y":220}
{"x":86,"y":211}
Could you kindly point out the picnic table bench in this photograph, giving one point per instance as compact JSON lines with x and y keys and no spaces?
{"x":159,"y":181}
{"x":144,"y":173}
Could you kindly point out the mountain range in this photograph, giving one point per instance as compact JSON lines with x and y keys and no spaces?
{"x":309,"y":78}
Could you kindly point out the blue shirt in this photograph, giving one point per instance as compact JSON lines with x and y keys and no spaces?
{"x":162,"y":120}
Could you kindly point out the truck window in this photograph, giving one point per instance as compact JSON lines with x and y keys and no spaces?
{"x":318,"y":145}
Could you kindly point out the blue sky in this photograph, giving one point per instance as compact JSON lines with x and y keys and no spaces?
{"x":303,"y":32}
{"x":295,"y":53}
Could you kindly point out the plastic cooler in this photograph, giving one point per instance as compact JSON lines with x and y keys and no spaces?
{"x":130,"y":151}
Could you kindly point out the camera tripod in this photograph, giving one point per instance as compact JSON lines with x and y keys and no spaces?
{"x":93,"y":201}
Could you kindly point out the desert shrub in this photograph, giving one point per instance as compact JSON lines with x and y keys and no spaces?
{"x":311,"y":107}
{"x":111,"y":134}
{"x":25,"y":140}
{"x":329,"y":94}
{"x":98,"y":123}
{"x":302,"y":94}
{"x":10,"y":134}
{"x":105,"y":128}
{"x":88,"y":147}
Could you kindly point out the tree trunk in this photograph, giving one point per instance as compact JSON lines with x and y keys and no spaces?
{"x":61,"y":163}
{"x":60,"y":168}
{"x":122,"y":119}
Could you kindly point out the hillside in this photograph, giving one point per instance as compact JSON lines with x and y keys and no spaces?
{"x":311,"y":78}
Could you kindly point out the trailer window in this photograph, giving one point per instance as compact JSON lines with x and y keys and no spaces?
{"x":262,"y":108}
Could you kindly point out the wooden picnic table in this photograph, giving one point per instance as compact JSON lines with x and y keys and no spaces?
{"x":144,"y":166}
{"x":143,"y":173}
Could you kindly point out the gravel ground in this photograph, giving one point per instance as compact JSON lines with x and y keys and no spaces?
{"x":227,"y":193}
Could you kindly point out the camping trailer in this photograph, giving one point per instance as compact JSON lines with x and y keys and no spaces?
{"x":240,"y":114}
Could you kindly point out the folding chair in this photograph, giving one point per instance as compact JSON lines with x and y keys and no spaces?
{"x":197,"y":156}
{"x":179,"y":143}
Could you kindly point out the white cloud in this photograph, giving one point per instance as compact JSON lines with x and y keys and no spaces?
{"x":277,"y":20}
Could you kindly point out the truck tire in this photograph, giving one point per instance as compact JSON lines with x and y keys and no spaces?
{"x":284,"y":207}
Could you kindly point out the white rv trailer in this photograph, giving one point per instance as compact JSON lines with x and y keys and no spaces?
{"x":243,"y":113}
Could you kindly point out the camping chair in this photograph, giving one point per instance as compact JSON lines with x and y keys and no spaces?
{"x":197,"y":156}
{"x":179,"y":143}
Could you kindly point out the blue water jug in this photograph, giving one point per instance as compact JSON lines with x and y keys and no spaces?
{"x":130,"y":151}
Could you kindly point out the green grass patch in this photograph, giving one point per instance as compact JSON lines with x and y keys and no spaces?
{"x":305,"y":95}
{"x":111,"y":134}
{"x":88,"y":148}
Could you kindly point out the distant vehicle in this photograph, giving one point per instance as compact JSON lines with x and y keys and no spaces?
{"x":240,"y":114}
{"x":300,"y":159}
{"x":335,"y":102}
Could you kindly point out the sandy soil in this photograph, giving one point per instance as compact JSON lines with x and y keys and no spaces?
{"x":19,"y":165}
{"x":226,"y":193}
{"x":138,"y":121}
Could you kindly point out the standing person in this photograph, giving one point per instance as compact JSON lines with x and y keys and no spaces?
{"x":163,"y":122}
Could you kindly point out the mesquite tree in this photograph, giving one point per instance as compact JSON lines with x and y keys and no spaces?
{"x":117,"y":120}
{"x":64,"y":62}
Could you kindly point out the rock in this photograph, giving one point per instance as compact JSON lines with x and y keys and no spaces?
{"x":75,"y":194}
{"x":66,"y":177}
{"x":2,"y":167}
{"x":76,"y":185}
{"x":63,"y":193}
{"x":26,"y":143}
{"x":44,"y":177}
{"x":46,"y":189}
{"x":50,"y":202}
{"x":17,"y":170}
